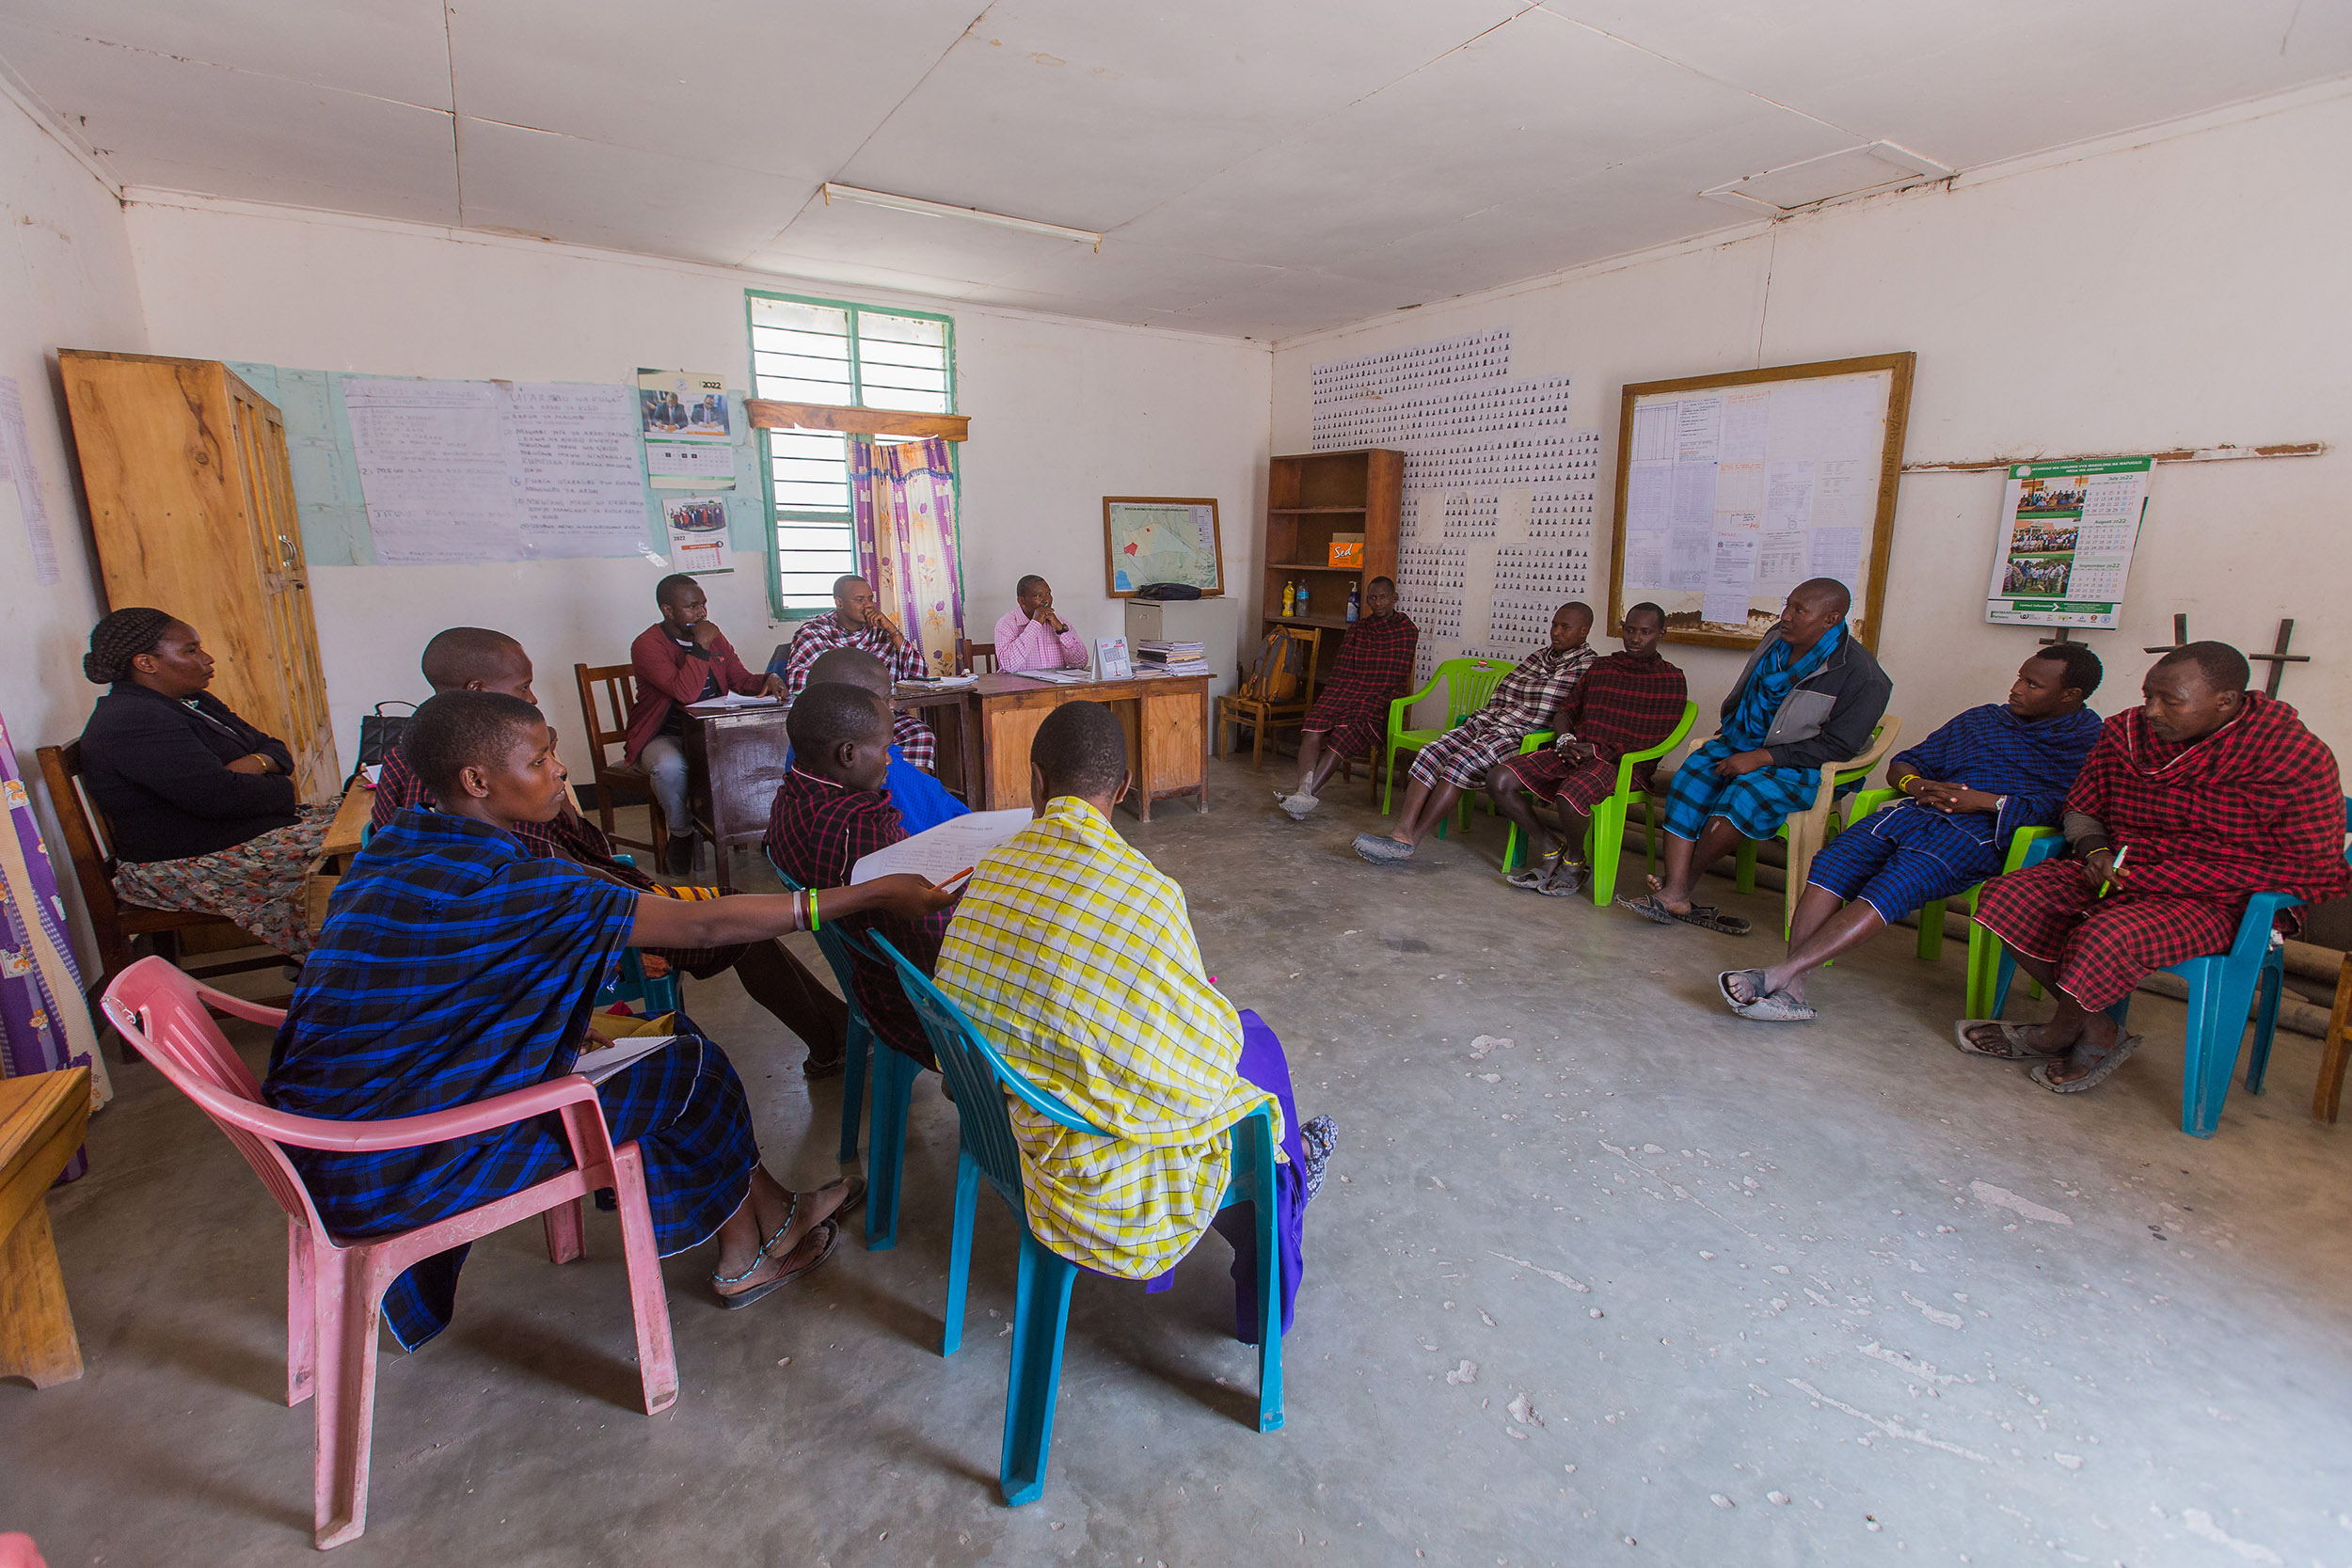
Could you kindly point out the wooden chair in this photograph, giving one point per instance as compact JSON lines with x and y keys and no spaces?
{"x":620,"y":696}
{"x":89,"y":840}
{"x":966,"y":652}
{"x":1271,"y":696}
{"x":1807,"y":830}
{"x":2328,"y":1093}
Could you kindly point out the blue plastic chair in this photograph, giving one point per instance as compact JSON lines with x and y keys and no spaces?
{"x":893,"y":1074}
{"x":1041,"y":1315}
{"x":2221,"y":986}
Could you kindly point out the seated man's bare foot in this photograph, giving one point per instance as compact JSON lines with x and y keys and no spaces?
{"x":1675,"y":903}
{"x":2031,"y":1042}
{"x":2098,"y":1038}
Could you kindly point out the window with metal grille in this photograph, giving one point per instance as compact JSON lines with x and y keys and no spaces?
{"x":852,"y":357}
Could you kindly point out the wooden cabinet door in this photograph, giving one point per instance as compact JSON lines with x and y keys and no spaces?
{"x":290,"y":633}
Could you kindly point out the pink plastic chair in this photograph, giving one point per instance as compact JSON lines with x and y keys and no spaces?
{"x":335,"y":1290}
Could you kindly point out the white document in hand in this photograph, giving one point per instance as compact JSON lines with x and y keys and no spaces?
{"x":938,"y":853}
{"x":602,"y":1063}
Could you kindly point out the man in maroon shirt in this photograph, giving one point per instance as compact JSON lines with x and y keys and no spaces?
{"x":685,"y":658}
{"x":830,"y":812}
{"x":474,"y":658}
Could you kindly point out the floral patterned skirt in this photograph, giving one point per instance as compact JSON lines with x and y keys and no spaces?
{"x":260,"y":883}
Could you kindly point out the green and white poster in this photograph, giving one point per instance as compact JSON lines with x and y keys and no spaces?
{"x":2064,"y":549}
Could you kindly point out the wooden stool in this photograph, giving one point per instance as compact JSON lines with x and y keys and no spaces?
{"x":42,"y":1118}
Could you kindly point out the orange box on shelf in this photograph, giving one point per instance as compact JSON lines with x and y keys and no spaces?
{"x":1347,"y":551}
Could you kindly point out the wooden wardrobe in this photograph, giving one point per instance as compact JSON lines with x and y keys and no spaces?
{"x":192,"y":501}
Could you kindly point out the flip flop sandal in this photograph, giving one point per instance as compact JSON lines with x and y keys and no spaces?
{"x":1779,"y":1008}
{"x":1707,"y":918}
{"x":829,"y":1230}
{"x":2104,"y":1068}
{"x":1568,"y":882}
{"x":1756,"y":983}
{"x":1527,"y":877}
{"x":1648,"y":907}
{"x":1382,"y":851}
{"x":2012,"y":1039}
{"x":1299,"y":807}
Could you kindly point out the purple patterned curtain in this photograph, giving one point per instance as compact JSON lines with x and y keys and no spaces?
{"x":904,"y":496}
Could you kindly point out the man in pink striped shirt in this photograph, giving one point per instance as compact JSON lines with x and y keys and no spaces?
{"x":1033,"y":637}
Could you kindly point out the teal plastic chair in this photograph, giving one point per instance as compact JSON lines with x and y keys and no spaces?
{"x":980,"y":1078}
{"x":1982,"y":944}
{"x":1468,"y":683}
{"x":653,"y":994}
{"x":1604,"y":841}
{"x":2222,"y":986}
{"x":894,"y":1075}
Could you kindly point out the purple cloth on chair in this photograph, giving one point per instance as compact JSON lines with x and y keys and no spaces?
{"x":1263,"y":1063}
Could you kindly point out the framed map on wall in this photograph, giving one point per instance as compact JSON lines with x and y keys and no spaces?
{"x":1149,"y":539}
{"x":1734,"y":488}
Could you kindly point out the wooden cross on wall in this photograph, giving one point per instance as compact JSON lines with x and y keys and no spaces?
{"x":2278,"y":659}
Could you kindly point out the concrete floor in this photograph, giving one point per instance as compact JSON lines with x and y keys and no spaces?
{"x":1644,"y":1282}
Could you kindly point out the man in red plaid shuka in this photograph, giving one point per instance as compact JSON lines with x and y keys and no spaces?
{"x":1628,"y":702}
{"x":858,"y":622}
{"x":2189,"y":804}
{"x":1351,"y":713}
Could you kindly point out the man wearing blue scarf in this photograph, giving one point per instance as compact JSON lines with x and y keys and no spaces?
{"x":1811,"y":694}
{"x":1969,"y":788}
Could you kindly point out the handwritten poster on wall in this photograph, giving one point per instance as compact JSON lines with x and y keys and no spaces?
{"x":459,"y":472}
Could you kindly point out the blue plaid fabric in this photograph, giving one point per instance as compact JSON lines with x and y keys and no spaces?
{"x":1768,"y":685}
{"x":1755,"y":803}
{"x":454,"y":966}
{"x":1907,"y":854}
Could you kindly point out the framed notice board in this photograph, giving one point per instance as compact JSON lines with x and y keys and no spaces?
{"x":1149,"y":539}
{"x":1732,"y":489}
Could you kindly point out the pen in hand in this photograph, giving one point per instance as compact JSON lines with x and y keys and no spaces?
{"x":2106,"y":883}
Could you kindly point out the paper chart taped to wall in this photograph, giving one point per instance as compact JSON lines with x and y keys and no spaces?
{"x":17,"y":471}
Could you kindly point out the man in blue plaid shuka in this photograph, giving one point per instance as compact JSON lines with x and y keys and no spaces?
{"x":454,"y":967}
{"x":1968,"y":789}
{"x":1811,"y":695}
{"x":457,"y":964}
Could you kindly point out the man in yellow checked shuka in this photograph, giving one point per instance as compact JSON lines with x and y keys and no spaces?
{"x":1075,"y":957}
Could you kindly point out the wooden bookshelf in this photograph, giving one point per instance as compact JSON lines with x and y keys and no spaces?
{"x":1308,"y":498}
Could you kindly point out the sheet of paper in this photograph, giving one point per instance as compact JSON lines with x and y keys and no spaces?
{"x":16,"y":468}
{"x":729,"y":700}
{"x":1654,"y":433}
{"x":1836,"y":553}
{"x":1698,"y":423}
{"x":439,"y":468}
{"x":1644,"y":562}
{"x":1648,"y":496}
{"x":1747,"y":425}
{"x":1730,"y":576}
{"x":938,"y":853}
{"x":583,"y":491}
{"x":683,"y":420}
{"x":602,"y":1063}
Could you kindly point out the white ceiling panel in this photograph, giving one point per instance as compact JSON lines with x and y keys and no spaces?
{"x":1971,"y":81}
{"x":590,"y":194}
{"x":396,"y":49}
{"x":157,"y":120}
{"x":1131,"y":280}
{"x":1287,"y":302}
{"x":791,"y":87}
{"x":1085,"y":113}
{"x":1529,"y":110}
{"x":956,"y":249}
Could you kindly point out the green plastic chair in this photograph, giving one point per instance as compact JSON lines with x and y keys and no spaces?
{"x":1468,"y":683}
{"x":1984,"y":948}
{"x":1604,"y":841}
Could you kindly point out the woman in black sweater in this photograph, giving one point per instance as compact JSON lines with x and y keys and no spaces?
{"x":202,"y":812}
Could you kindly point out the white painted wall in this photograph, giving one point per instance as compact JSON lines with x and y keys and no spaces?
{"x":66,"y":281}
{"x":2188,"y":291}
{"x":1063,"y":412}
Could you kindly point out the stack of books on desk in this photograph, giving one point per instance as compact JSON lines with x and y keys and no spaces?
{"x":1174,"y":658}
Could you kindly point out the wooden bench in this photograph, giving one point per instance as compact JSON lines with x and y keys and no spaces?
{"x":42,"y":1119}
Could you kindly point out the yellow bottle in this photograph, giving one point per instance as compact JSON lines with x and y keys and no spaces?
{"x":1290,"y":597}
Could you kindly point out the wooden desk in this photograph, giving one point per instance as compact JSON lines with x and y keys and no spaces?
{"x":42,"y":1118}
{"x":343,"y":841}
{"x":1166,"y":718}
{"x":734,"y":762}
